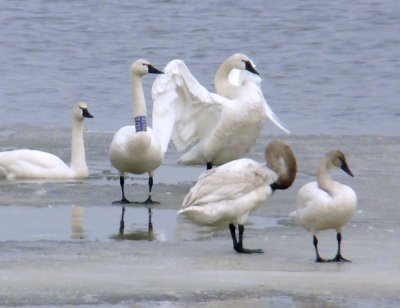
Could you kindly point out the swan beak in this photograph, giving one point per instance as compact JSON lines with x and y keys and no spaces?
{"x":346,"y":168}
{"x":86,"y":113}
{"x":153,"y":70}
{"x":249,"y":67}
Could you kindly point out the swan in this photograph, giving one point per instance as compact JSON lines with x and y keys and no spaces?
{"x":326,"y":204}
{"x":136,"y":149}
{"x":221,"y":126}
{"x":231,"y":191}
{"x":33,"y":164}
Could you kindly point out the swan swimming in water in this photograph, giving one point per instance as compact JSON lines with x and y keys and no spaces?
{"x":223,"y":125}
{"x":33,"y":164}
{"x":230,"y":192}
{"x":136,"y":148}
{"x":326,"y":204}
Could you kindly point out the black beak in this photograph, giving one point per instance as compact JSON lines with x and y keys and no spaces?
{"x":153,"y":70}
{"x":346,"y":168}
{"x":86,"y":113}
{"x":249,"y":67}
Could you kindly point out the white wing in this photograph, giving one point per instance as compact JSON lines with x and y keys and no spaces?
{"x":182,"y":108}
{"x":228,"y":182}
{"x":239,"y":77}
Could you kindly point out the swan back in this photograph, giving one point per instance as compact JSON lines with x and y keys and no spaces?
{"x":281,"y":159}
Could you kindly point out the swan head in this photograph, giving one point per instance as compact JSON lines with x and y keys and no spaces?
{"x":242,"y":62}
{"x":81,"y":111}
{"x":338,"y":159}
{"x":281,"y":159}
{"x":143,"y":67}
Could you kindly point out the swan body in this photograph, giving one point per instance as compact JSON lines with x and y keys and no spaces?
{"x":220,"y":126}
{"x":33,"y":164}
{"x":326,"y":204}
{"x":137,"y":149}
{"x":229,"y":193}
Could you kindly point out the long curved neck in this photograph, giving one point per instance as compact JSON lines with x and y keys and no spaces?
{"x":323,"y":176}
{"x":78,"y":159}
{"x":222,"y":85}
{"x":139,"y":103}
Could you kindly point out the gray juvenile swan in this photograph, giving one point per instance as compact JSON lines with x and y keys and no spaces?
{"x":33,"y":164}
{"x":221,"y":126}
{"x":326,"y":204}
{"x":229,"y":193}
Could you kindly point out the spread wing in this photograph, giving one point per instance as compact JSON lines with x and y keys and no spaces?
{"x":182,"y":108}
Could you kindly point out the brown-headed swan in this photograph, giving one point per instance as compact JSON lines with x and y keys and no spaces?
{"x":229,"y":193}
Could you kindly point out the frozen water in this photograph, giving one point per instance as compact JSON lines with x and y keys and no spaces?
{"x":59,"y":241}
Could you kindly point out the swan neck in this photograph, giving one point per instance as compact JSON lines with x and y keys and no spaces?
{"x":323,"y":176}
{"x":221,"y":81}
{"x":139,"y":103}
{"x":78,"y":159}
{"x":281,"y":159}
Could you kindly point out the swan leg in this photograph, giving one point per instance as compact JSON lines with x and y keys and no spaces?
{"x":209,"y":165}
{"x":338,"y":257}
{"x":149,"y":200}
{"x":122,"y":184}
{"x":238,"y":245}
{"x":318,"y":258}
{"x":122,"y":223}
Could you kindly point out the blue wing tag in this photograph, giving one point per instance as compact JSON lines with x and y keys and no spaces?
{"x":141,"y":124}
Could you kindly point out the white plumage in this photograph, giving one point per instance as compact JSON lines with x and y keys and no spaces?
{"x":229,"y":193}
{"x":221,"y":127}
{"x":136,"y":148}
{"x":34,"y":164}
{"x":326,"y":204}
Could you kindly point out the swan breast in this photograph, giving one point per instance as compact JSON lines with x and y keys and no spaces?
{"x":318,"y":210}
{"x":135,"y":152}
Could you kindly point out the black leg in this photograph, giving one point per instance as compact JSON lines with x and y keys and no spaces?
{"x":149,"y":200}
{"x":209,"y":165}
{"x":232,"y":228}
{"x":122,"y":223}
{"x":338,"y":257}
{"x":238,"y":246}
{"x":122,"y":184}
{"x":318,"y":258}
{"x":150,"y":223}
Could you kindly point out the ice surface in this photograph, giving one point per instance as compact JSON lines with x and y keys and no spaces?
{"x":59,"y":242}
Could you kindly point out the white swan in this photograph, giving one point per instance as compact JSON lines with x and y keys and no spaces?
{"x":230,"y":192}
{"x":136,"y":149}
{"x":221,"y":126}
{"x":326,"y":204}
{"x":42,"y":165}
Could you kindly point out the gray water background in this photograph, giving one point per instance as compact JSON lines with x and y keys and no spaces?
{"x":329,"y":68}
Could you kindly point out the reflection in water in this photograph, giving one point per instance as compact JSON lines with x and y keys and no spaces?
{"x":78,"y":231}
{"x":136,"y":235}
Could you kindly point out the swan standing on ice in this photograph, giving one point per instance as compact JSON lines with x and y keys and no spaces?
{"x":326,"y":204}
{"x":221,"y":126}
{"x":230,"y":192}
{"x":33,"y":164}
{"x":136,"y":149}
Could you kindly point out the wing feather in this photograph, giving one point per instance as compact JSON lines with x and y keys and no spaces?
{"x":183,"y":109}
